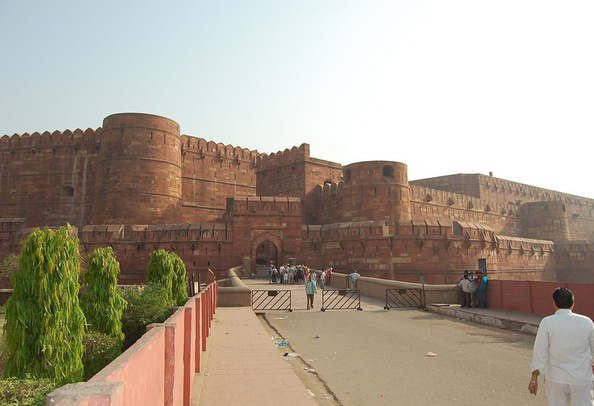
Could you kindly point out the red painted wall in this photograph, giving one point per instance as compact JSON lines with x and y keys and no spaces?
{"x":159,"y":368}
{"x":537,"y":297}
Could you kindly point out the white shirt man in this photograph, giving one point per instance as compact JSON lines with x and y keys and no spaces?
{"x":563,"y":352}
{"x":354,"y":276}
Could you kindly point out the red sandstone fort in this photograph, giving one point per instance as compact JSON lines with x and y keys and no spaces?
{"x":137,"y":184}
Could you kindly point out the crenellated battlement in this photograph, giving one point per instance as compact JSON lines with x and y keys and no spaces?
{"x":464,"y":230}
{"x":329,"y":190}
{"x":507,"y":244}
{"x":156,"y":233}
{"x":49,"y":140}
{"x":569,"y":247}
{"x":286,"y":157}
{"x":351,"y":230}
{"x":499,"y":190}
{"x":426,"y":195}
{"x":264,"y":205}
{"x":202,"y":147}
{"x":527,"y":193}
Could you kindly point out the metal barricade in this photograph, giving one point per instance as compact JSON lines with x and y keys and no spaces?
{"x":404,"y":298}
{"x":271,"y":300}
{"x":341,"y":299}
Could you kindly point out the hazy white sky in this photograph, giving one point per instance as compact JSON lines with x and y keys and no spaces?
{"x":444,"y":86}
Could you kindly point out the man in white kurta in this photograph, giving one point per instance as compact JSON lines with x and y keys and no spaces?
{"x":563,"y":353}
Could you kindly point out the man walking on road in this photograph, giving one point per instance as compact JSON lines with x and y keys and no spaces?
{"x":310,"y":291}
{"x":563,"y":352}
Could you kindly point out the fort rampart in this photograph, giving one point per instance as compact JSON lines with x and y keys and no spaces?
{"x":137,"y":184}
{"x":136,"y":169}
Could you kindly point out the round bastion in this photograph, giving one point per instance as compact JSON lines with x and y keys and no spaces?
{"x":376,"y":189}
{"x":139,"y":170}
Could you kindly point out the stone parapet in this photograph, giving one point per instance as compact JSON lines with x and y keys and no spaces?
{"x":158,"y":369}
{"x":233,"y":292}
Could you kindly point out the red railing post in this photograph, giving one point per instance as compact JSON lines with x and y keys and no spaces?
{"x":198,"y":343}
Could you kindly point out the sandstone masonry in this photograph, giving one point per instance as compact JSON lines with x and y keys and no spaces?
{"x":137,"y":184}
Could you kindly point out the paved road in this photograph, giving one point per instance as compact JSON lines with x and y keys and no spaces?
{"x":379,"y":357}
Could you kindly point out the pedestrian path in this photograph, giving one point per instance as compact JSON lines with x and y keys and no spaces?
{"x":244,"y":368}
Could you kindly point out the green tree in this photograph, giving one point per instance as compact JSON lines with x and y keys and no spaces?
{"x":168,"y":269}
{"x":180,"y":281}
{"x":44,"y":322}
{"x":160,"y":272}
{"x":101,"y":301}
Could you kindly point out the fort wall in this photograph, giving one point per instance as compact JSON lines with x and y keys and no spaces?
{"x":212,"y":172}
{"x":436,"y":204}
{"x":135,"y":164}
{"x":48,"y":178}
{"x":573,"y":261}
{"x":267,"y":228}
{"x":138,"y":185}
{"x":294,"y":173}
{"x":200,"y":245}
{"x":580,"y":210}
{"x":438,"y":250}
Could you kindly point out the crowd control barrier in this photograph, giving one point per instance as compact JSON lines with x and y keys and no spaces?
{"x":341,"y":299}
{"x":405,"y":297}
{"x":271,"y":300}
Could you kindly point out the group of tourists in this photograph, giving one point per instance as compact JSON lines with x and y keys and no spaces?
{"x":297,"y":274}
{"x":472,"y":287}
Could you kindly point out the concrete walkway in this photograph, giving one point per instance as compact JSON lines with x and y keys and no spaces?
{"x":243,"y":366}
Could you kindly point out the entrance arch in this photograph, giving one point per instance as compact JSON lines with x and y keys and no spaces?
{"x":265,"y":252}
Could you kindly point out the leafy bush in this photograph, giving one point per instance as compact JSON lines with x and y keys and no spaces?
{"x":44,"y":321}
{"x":146,"y":304}
{"x":102,"y":302}
{"x":100,"y":350}
{"x":25,"y":391}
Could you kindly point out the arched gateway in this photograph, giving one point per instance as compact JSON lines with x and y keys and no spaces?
{"x":265,"y":252}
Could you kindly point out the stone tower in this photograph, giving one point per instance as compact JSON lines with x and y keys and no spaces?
{"x":376,"y":190}
{"x":545,"y":220}
{"x":138,"y":171}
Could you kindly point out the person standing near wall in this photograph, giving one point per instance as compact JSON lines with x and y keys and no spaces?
{"x":563,"y":353}
{"x":354,"y":277}
{"x":473,"y":289}
{"x":482,"y":289}
{"x":465,"y":285}
{"x":458,"y":287}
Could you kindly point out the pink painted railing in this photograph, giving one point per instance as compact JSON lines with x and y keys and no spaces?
{"x":536,"y":297}
{"x":158,"y":369}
